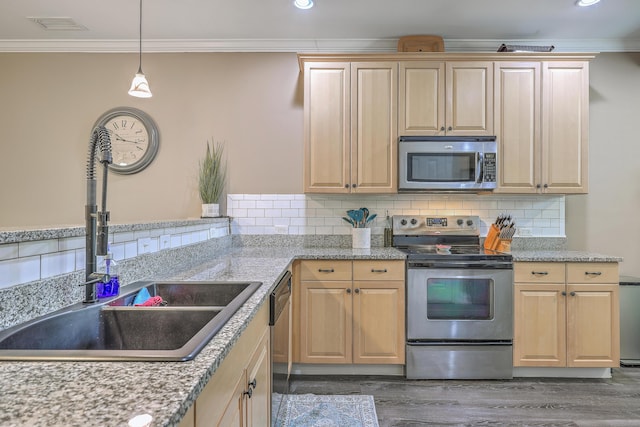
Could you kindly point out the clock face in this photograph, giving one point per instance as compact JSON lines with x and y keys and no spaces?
{"x":134,"y":139}
{"x":129,"y":140}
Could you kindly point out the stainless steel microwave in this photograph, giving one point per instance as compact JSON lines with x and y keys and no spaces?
{"x":450,"y":163}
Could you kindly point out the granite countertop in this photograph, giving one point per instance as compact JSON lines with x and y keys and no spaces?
{"x":111,"y":393}
{"x":562,"y":256}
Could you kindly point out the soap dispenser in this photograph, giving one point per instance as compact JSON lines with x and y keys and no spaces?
{"x":112,"y":287}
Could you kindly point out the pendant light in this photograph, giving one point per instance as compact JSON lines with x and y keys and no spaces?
{"x":139,"y":85}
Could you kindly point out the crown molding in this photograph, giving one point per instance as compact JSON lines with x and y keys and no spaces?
{"x":302,"y":45}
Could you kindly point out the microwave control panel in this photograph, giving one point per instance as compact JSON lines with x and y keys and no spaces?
{"x":489,"y":171}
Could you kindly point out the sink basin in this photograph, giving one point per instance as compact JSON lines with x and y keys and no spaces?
{"x":115,"y":330}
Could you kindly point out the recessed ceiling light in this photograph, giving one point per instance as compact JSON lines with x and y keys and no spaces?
{"x":303,"y":4}
{"x":586,"y":2}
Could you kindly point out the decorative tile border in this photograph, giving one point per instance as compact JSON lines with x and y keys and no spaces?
{"x":304,"y":214}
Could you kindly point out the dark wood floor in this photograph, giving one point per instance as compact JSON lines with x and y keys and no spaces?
{"x":517,"y":402}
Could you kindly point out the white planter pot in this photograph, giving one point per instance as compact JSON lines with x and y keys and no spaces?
{"x":361,"y":238}
{"x":210,"y":210}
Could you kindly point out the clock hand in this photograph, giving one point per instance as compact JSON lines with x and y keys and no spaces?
{"x":119,"y":138}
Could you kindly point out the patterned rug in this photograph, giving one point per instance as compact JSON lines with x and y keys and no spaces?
{"x":312,"y":410}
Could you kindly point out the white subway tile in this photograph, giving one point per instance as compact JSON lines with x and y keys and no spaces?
{"x":255,"y":213}
{"x":247,"y":204}
{"x":8,"y":251}
{"x":165,"y":241}
{"x":281,"y":221}
{"x":130,"y":250}
{"x":264,"y":221}
{"x":240,"y":213}
{"x":282,"y":204}
{"x":246,"y":221}
{"x":291,"y":213}
{"x":176,"y":241}
{"x":19,"y":270}
{"x":144,"y":245}
{"x":324,"y":230}
{"x":264,"y":204}
{"x":39,"y":247}
{"x":58,"y":263}
{"x":299,"y":204}
{"x":122,"y":237}
{"x":69,"y":243}
{"x":141,"y":234}
{"x":273,"y":213}
{"x":252,"y":196}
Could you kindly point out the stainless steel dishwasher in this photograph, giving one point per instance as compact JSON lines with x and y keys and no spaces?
{"x":629,"y":321}
{"x":280,"y":322}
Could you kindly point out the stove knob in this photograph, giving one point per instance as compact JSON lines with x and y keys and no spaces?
{"x":414,"y":221}
{"x":403,"y":222}
{"x":460,"y":221}
{"x":469,"y":222}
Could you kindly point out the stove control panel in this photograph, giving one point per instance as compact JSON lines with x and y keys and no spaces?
{"x":446,"y":225}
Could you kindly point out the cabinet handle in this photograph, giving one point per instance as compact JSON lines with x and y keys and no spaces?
{"x":564,"y":293}
{"x":539,"y":273}
{"x":253,"y":383}
{"x":348,"y":290}
{"x":593,"y":273}
{"x":373,"y":270}
{"x":357,"y":291}
{"x":573,"y":294}
{"x":326,"y":270}
{"x":248,"y":393}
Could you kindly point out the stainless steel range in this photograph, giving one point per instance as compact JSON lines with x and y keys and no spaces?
{"x":459,"y":300}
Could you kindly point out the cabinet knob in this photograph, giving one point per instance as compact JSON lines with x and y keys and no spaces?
{"x":442,"y":128}
{"x":449,"y":128}
{"x":354,"y":185}
{"x":564,"y":293}
{"x":357,"y":291}
{"x":573,"y":294}
{"x":346,"y":186}
{"x":348,"y":290}
{"x":546,"y":186}
{"x":538,"y":186}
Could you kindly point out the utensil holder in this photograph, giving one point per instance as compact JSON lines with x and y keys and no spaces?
{"x":493,"y":241}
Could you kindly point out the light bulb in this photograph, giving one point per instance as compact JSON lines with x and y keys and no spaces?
{"x":303,"y":4}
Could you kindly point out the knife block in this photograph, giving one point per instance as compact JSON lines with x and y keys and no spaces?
{"x":493,"y":241}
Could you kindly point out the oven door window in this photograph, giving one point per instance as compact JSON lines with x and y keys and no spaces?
{"x":441,"y":167}
{"x":459,"y":299}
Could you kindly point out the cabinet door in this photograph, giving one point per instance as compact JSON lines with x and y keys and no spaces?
{"x":374,"y":127}
{"x":469,"y":98}
{"x":378,"y":322}
{"x":327,"y":127}
{"x":233,"y":415}
{"x":258,"y":377}
{"x":517,"y":125}
{"x":326,"y":322}
{"x":421,"y":104}
{"x":593,"y":325}
{"x":565,"y":127}
{"x":539,"y":325}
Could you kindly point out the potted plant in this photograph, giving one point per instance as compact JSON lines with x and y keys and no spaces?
{"x":360,"y":234}
{"x":211,"y":179}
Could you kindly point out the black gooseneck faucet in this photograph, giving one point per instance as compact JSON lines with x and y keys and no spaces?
{"x":97,"y":227}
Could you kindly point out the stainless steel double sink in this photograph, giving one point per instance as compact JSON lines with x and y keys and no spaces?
{"x":116,"y":330}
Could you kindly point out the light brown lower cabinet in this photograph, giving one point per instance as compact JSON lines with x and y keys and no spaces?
{"x":566,"y":314}
{"x":349,"y":312}
{"x":239,"y":393}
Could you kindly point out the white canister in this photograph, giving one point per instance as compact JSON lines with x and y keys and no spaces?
{"x":210,"y":210}
{"x":361,"y":238}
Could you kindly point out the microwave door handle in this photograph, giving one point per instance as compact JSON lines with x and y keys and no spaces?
{"x":479,"y":167}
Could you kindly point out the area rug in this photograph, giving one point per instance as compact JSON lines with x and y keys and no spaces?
{"x":313,"y":410}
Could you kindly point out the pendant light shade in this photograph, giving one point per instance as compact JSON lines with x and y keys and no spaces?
{"x":139,"y":85}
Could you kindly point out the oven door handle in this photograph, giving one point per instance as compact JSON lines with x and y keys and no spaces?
{"x":489,"y":265}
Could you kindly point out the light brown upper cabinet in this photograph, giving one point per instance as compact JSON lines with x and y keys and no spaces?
{"x":350,"y":128}
{"x":542,"y":125}
{"x":445,"y":98}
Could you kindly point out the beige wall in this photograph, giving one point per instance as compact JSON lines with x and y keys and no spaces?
{"x":607,"y":220}
{"x":253,"y":101}
{"x":49,"y":103}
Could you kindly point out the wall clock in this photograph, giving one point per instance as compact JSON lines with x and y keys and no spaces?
{"x":134,"y":138}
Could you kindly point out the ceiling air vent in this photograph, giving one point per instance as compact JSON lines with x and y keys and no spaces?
{"x":57,"y":23}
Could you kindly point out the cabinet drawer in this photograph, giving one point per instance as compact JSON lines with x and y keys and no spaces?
{"x":538,"y":272}
{"x":325,"y":270}
{"x":378,"y":270}
{"x":592,"y":272}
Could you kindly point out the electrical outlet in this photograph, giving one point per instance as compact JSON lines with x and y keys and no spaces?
{"x":524,"y":232}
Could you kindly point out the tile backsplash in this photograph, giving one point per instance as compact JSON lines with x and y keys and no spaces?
{"x":305,"y":214}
